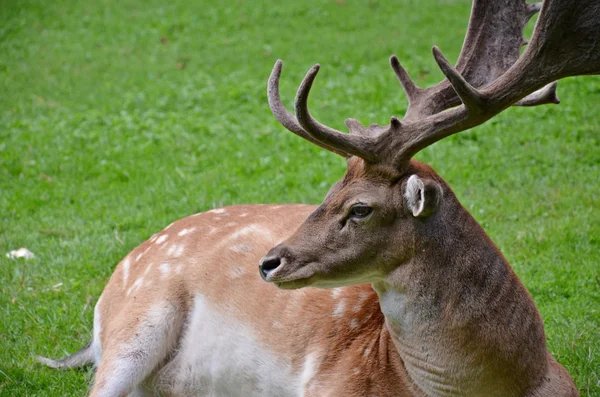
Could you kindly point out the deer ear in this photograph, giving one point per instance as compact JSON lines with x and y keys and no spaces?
{"x":422,"y":196}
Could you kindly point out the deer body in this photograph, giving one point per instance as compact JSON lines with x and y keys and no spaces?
{"x":186,"y":313}
{"x":423,"y":303}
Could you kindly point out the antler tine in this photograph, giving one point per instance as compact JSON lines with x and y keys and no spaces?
{"x":357,"y":145}
{"x":284,"y":117}
{"x":544,"y":95}
{"x":409,"y":86}
{"x":469,"y":96}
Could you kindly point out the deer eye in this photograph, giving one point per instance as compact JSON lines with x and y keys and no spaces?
{"x":360,"y":211}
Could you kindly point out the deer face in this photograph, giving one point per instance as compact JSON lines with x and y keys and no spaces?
{"x":365,"y":227}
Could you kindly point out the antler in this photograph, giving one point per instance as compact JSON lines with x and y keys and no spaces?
{"x":286,"y":118}
{"x":305,"y":126}
{"x":489,"y":77}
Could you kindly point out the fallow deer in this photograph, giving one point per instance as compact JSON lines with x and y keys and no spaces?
{"x":412,"y":297}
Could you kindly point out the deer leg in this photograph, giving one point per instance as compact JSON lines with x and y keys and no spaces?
{"x":557,"y":382}
{"x":136,"y":352}
{"x":122,"y":374}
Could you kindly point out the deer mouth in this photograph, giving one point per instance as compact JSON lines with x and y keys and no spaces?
{"x":286,"y":274}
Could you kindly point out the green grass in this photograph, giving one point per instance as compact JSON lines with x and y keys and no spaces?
{"x":117,"y":118}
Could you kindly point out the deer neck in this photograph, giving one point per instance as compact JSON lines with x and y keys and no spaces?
{"x":461,"y":321}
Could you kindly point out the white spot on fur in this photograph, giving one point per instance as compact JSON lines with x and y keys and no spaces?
{"x":240,"y":248}
{"x":126,"y":264}
{"x":137,"y":258}
{"x":176,"y":250}
{"x":148,"y":248}
{"x":236,"y":272}
{"x":254,"y":228}
{"x":339,"y":308}
{"x":136,"y":285}
{"x":353,"y":323}
{"x":183,"y":232}
{"x":355,"y":371}
{"x":153,"y":238}
{"x":336,"y":292}
{"x":178,"y":269}
{"x":162,"y":239}
{"x":231,"y":224}
{"x":212,"y":230}
{"x":309,"y":370}
{"x":148,"y":268}
{"x":362,"y":297}
{"x":165,"y":269}
{"x":245,"y":214}
{"x":218,"y":211}
{"x":366,"y":352}
{"x":277,"y":324}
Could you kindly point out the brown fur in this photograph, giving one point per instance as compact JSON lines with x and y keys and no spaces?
{"x":467,"y":303}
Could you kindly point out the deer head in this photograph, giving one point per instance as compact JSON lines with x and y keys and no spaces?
{"x":388,"y":208}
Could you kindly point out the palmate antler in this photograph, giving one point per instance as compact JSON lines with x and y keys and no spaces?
{"x":489,"y":77}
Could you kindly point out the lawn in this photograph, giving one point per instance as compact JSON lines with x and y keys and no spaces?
{"x":117,"y":118}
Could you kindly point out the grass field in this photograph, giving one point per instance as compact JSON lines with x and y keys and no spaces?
{"x":117,"y":118}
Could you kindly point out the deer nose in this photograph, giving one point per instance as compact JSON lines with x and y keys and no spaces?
{"x":268,"y":264}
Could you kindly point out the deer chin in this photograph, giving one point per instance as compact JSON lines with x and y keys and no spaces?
{"x":293,"y":284}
